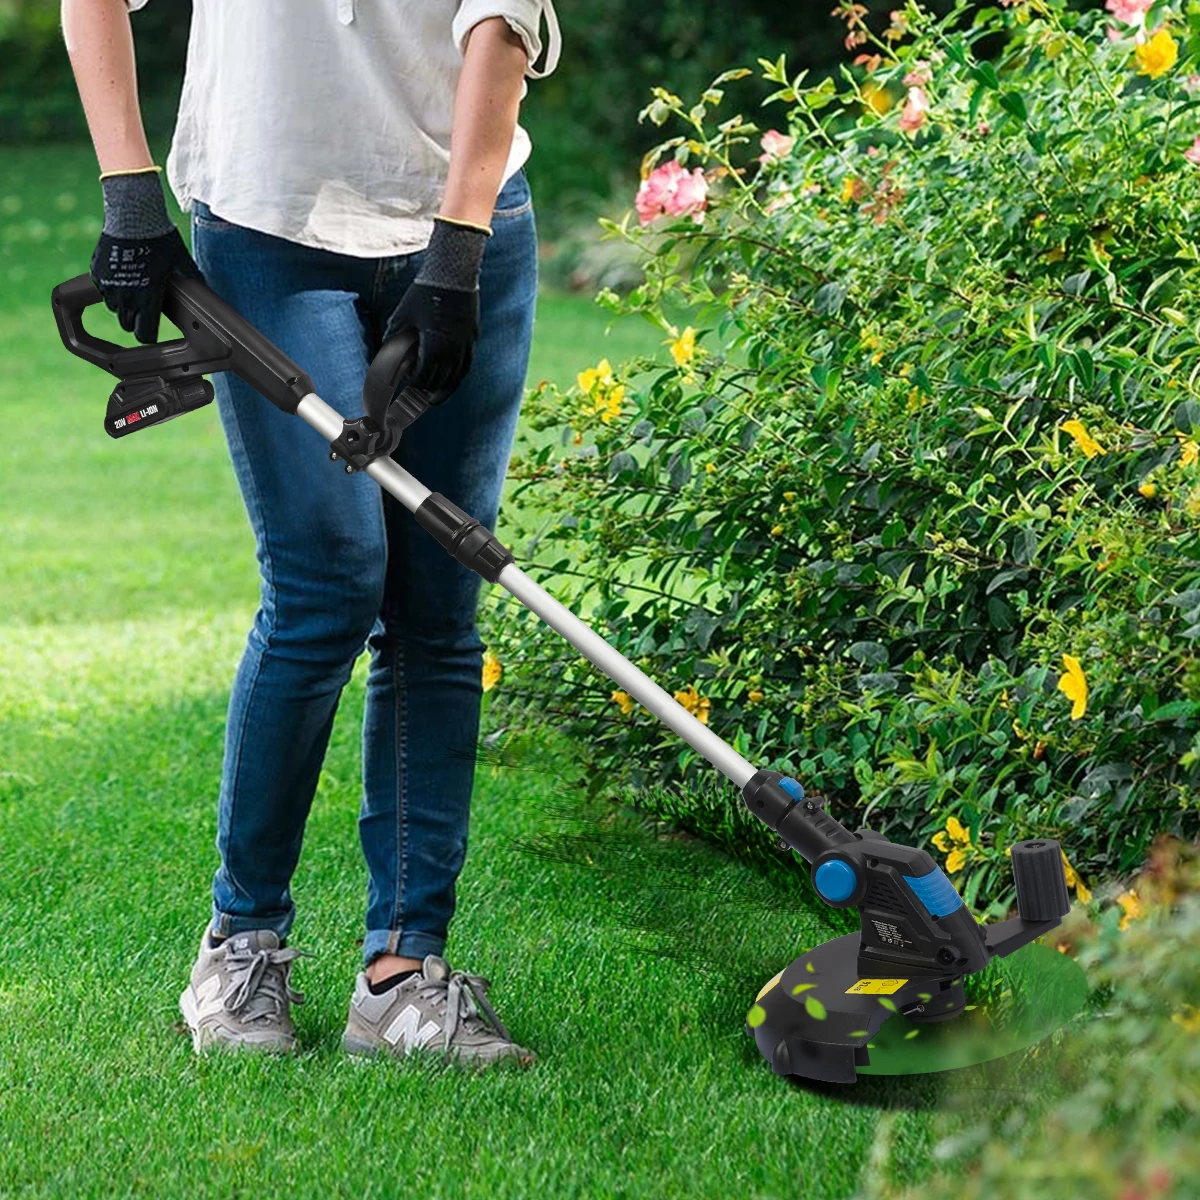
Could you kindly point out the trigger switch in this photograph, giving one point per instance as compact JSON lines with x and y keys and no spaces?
{"x":793,"y":788}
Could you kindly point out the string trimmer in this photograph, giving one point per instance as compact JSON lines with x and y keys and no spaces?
{"x":917,"y":939}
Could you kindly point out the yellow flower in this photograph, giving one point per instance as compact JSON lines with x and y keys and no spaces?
{"x":1189,"y":451}
{"x":955,"y":842}
{"x":609,"y":406}
{"x":624,"y":701}
{"x":683,"y":348}
{"x":877,"y":99}
{"x":710,"y":468}
{"x":601,"y":373}
{"x":1073,"y":881}
{"x":1083,"y":439}
{"x":699,"y":706}
{"x":605,"y":393}
{"x":1187,"y":1018}
{"x":754,"y":695}
{"x":850,"y":189}
{"x":1073,"y":684}
{"x":1131,"y":909}
{"x":1158,"y":55}
{"x":492,"y":670}
{"x":1148,"y":489}
{"x":776,"y":530}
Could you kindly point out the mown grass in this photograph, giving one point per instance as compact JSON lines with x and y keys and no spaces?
{"x":627,"y":958}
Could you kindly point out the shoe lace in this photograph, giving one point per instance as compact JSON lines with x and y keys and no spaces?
{"x":466,"y":1004}
{"x":260,"y":982}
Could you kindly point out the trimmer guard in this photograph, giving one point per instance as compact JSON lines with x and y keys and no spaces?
{"x":818,"y":1015}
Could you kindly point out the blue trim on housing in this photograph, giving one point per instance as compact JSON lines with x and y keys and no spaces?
{"x":936,"y":892}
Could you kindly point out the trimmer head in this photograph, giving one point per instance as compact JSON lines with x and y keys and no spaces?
{"x":879,"y":1026}
{"x":818,"y":1017}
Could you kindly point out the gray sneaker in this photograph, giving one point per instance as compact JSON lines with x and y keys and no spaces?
{"x":240,"y":996}
{"x":435,"y":1011}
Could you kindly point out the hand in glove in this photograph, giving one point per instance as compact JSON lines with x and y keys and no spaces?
{"x":137,"y":251}
{"x":442,"y":305}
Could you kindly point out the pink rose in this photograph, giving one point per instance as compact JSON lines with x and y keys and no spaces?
{"x":1193,"y":155}
{"x":775,"y":145}
{"x":1132,"y":12}
{"x":671,"y":190}
{"x":916,"y":110}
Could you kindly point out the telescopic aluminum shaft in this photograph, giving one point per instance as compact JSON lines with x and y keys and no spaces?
{"x":412,"y":494}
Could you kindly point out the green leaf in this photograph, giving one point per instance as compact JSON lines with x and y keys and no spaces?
{"x":985,"y":74}
{"x":1187,"y":417}
{"x":1175,"y":710}
{"x":1014,"y":103}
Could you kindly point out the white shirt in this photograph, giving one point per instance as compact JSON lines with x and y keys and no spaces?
{"x":327,"y":122}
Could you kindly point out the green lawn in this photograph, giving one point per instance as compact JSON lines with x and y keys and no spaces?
{"x":625,"y":959}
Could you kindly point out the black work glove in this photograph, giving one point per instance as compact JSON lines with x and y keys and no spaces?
{"x":138,"y":249}
{"x":442,"y":305}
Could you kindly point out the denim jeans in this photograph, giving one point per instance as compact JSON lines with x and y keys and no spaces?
{"x":344,"y":567}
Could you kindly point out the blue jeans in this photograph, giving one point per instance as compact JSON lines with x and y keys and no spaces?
{"x":343,"y":566}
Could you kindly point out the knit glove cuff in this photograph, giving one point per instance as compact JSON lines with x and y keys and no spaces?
{"x":134,"y":205}
{"x":453,"y":256}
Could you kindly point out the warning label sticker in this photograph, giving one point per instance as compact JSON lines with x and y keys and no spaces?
{"x":876,"y":987}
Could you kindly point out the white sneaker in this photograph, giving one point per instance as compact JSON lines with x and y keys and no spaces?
{"x":434,"y":1011}
{"x":240,"y":996}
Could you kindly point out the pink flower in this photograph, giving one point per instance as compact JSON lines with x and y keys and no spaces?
{"x":1191,"y":84}
{"x":671,"y":190}
{"x":1132,"y":12}
{"x":775,"y":145}
{"x":916,"y":110}
{"x":920,"y":76}
{"x":1193,"y":155}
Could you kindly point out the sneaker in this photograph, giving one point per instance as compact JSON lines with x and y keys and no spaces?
{"x":435,"y":1010}
{"x":240,"y":996}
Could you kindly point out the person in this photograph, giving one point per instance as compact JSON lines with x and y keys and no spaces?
{"x":352,"y":169}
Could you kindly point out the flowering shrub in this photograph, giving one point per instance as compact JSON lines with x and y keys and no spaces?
{"x":1116,"y":1109}
{"x":911,"y":509}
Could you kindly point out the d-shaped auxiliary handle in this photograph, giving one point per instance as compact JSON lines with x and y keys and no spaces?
{"x":390,"y":406}
{"x":164,"y":379}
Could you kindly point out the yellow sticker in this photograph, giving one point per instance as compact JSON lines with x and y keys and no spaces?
{"x":876,"y":987}
{"x":766,"y":987}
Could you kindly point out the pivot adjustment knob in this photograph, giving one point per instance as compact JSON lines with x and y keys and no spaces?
{"x":1040,"y":880}
{"x":835,"y":880}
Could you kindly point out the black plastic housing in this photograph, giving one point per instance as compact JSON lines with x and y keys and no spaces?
{"x":1040,"y":880}
{"x":473,"y":544}
{"x":215,"y":338}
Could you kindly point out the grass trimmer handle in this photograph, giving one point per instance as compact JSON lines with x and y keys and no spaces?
{"x":390,"y":404}
{"x":164,"y":379}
